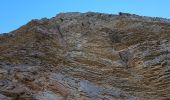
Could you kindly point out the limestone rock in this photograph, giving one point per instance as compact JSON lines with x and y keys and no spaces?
{"x":87,"y":56}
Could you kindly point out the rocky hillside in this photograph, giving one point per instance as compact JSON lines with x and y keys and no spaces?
{"x":87,"y":56}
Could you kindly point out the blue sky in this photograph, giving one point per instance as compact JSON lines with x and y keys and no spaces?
{"x":15,"y":13}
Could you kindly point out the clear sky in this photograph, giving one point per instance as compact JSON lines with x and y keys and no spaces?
{"x":14,"y":13}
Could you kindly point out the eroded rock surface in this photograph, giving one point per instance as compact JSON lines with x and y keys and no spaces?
{"x":87,"y":56}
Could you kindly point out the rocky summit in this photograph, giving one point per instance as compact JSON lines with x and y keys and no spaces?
{"x":87,"y":56}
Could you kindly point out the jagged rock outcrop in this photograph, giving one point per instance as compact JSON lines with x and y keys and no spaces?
{"x":87,"y":56}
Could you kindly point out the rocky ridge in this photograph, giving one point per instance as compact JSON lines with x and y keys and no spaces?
{"x":87,"y":56}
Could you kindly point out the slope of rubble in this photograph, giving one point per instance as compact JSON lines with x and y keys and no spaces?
{"x":87,"y":56}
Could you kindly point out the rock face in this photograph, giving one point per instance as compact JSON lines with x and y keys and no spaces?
{"x":87,"y":56}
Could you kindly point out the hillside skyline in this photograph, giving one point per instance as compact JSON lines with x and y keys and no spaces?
{"x":19,"y":12}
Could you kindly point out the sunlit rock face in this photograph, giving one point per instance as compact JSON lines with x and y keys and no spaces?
{"x":87,"y":56}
